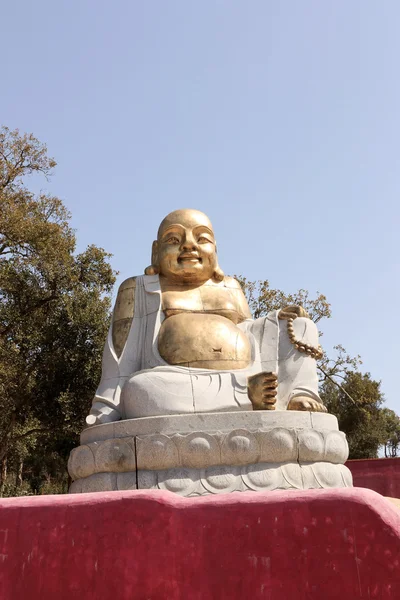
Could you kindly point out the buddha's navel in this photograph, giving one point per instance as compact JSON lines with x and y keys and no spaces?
{"x":204,"y":341}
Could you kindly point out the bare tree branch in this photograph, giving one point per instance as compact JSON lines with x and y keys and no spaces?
{"x":337,"y":384}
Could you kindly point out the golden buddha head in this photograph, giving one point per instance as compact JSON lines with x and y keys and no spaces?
{"x":185,"y":249}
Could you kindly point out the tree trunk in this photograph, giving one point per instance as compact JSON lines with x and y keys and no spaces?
{"x":18,"y":477}
{"x":3,"y":475}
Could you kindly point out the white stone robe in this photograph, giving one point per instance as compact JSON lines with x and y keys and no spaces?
{"x":141,"y":384}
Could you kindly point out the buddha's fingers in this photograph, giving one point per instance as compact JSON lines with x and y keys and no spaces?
{"x":270,"y":385}
{"x":264,"y":406}
{"x":270,"y":376}
{"x":263,"y":376}
{"x":269,"y":393}
{"x":262,"y":390}
{"x":292,"y":312}
{"x":269,"y":401}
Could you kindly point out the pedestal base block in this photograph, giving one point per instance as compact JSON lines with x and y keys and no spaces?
{"x":213,"y":453}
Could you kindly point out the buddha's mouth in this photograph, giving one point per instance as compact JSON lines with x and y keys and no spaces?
{"x":189,"y":258}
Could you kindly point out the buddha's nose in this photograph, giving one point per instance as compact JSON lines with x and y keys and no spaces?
{"x":189,"y":243}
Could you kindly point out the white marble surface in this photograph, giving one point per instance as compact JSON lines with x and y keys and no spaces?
{"x":222,"y":421}
{"x":223,"y":479}
{"x":213,"y":453}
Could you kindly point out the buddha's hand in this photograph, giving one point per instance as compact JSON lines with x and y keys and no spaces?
{"x":304,"y":403}
{"x":262,"y":389}
{"x":292,"y":312}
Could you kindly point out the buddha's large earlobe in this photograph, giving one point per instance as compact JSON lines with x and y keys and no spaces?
{"x":218,"y":274}
{"x":154,"y":269}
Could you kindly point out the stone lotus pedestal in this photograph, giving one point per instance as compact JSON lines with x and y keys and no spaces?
{"x":212,"y":453}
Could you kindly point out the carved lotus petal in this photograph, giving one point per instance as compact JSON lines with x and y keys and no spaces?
{"x":309,"y":480}
{"x":179,"y":481}
{"x":292,"y":475}
{"x":81,"y":462}
{"x":200,"y":450}
{"x":240,"y":447}
{"x":126,"y":481}
{"x":75,"y":487}
{"x":336,"y":447}
{"x":147,"y":480}
{"x":279,"y":445}
{"x":156,"y":452}
{"x":311,"y":446}
{"x":100,"y":482}
{"x":221,"y":479}
{"x":347,"y":477}
{"x":115,"y":455}
{"x":327,"y":475}
{"x":263,"y":477}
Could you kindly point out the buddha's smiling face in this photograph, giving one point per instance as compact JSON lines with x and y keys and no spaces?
{"x":186,"y":247}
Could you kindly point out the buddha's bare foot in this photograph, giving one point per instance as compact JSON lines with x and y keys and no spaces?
{"x":262,"y":389}
{"x":302,"y":403}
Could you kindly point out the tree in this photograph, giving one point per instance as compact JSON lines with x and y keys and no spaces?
{"x":353,"y":397}
{"x":367,"y":425}
{"x":54,"y":312}
{"x":393,"y":433}
{"x":262,"y":299}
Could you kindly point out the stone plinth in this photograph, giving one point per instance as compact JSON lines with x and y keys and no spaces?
{"x":302,"y":545}
{"x":212,"y":453}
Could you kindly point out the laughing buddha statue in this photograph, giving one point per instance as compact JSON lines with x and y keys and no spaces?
{"x":182,"y":339}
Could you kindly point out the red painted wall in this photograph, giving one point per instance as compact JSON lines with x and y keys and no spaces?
{"x":306,"y":545}
{"x":380,"y":474}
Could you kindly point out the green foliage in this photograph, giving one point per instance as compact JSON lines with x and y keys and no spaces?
{"x":54,"y":315}
{"x":367,"y":425}
{"x":392,"y":442}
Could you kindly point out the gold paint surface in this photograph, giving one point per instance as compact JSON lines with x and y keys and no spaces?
{"x":210,"y":297}
{"x":185,"y":251}
{"x":120,"y":334}
{"x":201,"y":306}
{"x":123,"y":314}
{"x":306,"y":404}
{"x":262,"y":389}
{"x":205,"y":341}
{"x":292,"y":312}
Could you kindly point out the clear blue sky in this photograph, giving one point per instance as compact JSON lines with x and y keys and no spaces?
{"x":280,"y":120}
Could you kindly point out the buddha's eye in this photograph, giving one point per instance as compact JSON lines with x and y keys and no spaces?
{"x":173,"y":240}
{"x":204,"y":240}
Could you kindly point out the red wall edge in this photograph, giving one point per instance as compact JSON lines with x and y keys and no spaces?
{"x":379,"y":474}
{"x":296,"y":545}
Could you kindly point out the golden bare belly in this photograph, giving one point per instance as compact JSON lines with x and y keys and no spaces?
{"x":204,"y":341}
